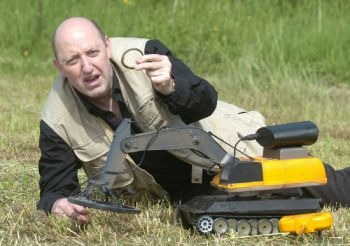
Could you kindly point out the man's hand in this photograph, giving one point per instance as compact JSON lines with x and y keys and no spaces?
{"x":158,"y":69}
{"x":63,"y":208}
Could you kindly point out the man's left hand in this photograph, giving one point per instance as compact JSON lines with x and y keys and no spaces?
{"x":158,"y":69}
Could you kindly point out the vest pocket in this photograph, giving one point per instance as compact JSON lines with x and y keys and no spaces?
{"x":148,"y":116}
{"x":90,"y":149}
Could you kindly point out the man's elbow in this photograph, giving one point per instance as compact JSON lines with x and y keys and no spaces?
{"x":214,"y":103}
{"x":211,"y":106}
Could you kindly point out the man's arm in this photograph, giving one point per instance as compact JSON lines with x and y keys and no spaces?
{"x":336,"y":191}
{"x":193,"y":98}
{"x":58,"y":168}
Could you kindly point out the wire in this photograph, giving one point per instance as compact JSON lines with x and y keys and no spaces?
{"x":150,"y":142}
{"x":234,"y":147}
{"x":211,"y":170}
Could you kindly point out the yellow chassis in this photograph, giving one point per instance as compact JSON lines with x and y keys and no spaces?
{"x":278,"y":174}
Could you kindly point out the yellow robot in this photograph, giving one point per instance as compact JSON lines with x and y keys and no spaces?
{"x":255,"y":195}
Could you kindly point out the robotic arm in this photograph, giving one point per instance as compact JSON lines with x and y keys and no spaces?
{"x":162,"y":139}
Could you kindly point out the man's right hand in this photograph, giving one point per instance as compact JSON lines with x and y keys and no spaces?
{"x":63,"y":208}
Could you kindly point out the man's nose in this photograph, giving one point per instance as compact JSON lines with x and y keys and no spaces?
{"x":86,"y":65}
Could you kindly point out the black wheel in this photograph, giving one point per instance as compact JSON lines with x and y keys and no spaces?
{"x":220,"y":226}
{"x":205,"y":224}
{"x":244,"y":228}
{"x":265,"y":226}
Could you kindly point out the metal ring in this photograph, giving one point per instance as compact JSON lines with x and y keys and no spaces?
{"x":125,"y":53}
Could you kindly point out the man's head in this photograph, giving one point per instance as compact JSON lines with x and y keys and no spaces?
{"x":82,"y":54}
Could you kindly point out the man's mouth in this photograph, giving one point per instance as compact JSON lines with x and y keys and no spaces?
{"x":91,"y":79}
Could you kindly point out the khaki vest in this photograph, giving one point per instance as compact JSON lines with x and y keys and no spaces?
{"x":90,"y":137}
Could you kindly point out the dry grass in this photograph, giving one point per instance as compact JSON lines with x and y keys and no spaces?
{"x":22,"y":224}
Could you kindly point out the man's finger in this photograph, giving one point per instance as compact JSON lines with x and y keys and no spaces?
{"x":72,"y":210}
{"x":160,"y":80}
{"x":80,"y":209}
{"x":83,"y":219}
{"x":61,"y":214}
{"x":80,"y":218}
{"x":149,"y":65}
{"x":157,"y":72}
{"x":149,"y":58}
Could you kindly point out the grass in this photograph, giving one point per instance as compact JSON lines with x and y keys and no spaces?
{"x":302,"y":36}
{"x":23,"y":224}
{"x":286,"y":59}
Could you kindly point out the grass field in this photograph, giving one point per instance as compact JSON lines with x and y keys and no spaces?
{"x":288,"y":59}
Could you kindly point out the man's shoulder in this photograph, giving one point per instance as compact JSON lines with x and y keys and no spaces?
{"x":128,"y":41}
{"x":59,"y":101}
{"x":128,"y":38}
{"x":120,"y":45}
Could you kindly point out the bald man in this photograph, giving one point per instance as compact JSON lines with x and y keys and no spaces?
{"x":94,"y":91}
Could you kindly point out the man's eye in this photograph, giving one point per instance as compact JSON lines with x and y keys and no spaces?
{"x":93,"y":53}
{"x":72,"y":61}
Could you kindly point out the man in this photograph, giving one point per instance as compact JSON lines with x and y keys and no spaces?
{"x":95,"y":91}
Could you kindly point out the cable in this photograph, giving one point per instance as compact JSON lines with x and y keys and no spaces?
{"x":234,"y":147}
{"x":250,"y":137}
{"x":211,"y":170}
{"x":150,"y":142}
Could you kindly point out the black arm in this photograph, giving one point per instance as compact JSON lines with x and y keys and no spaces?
{"x":162,"y":139}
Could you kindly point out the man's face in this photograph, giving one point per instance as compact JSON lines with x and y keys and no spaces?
{"x":83,"y":58}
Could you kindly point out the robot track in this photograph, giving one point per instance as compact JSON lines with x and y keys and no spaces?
{"x":221,"y":214}
{"x":244,"y":227}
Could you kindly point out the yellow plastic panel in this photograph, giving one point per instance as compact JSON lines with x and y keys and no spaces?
{"x":278,"y":174}
{"x":305,"y":223}
{"x":301,"y":170}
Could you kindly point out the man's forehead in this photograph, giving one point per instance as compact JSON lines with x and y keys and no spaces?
{"x":77,"y":41}
{"x":76,"y":24}
{"x":75,"y":30}
{"x":76,"y":33}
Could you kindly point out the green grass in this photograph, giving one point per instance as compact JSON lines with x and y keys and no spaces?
{"x":287,"y":59}
{"x":214,"y":37}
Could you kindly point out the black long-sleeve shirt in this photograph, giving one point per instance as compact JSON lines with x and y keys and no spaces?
{"x":193,"y":99}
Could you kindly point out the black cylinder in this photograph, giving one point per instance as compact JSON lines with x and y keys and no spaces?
{"x":288,"y":135}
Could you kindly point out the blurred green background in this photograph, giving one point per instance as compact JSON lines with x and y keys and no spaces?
{"x":246,"y":39}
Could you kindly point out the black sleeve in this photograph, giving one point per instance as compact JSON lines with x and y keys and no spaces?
{"x":194,"y":98}
{"x":58,"y":168}
{"x":336,"y":191}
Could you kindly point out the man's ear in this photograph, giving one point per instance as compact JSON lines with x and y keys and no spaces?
{"x":57,"y":64}
{"x":109,"y":47}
